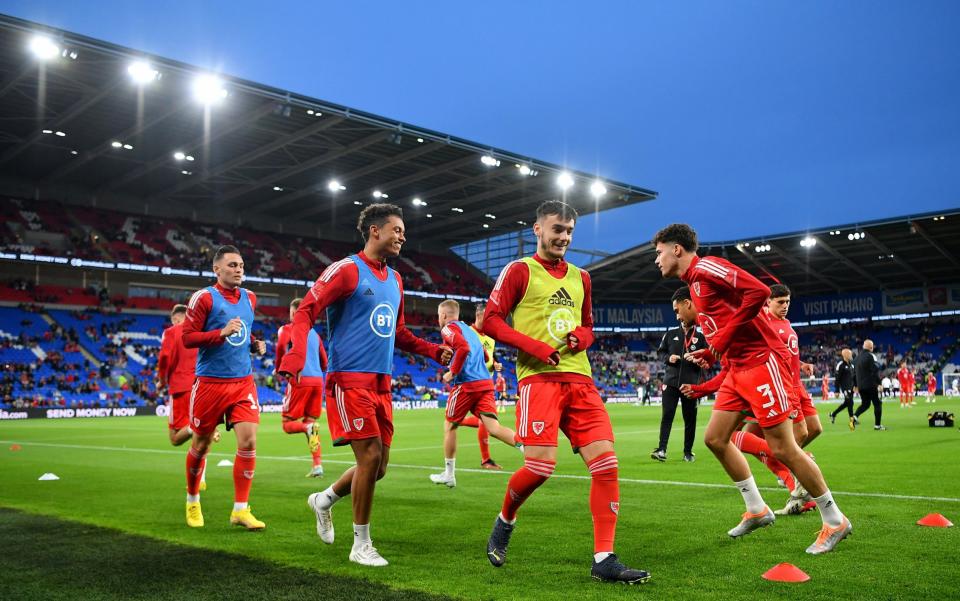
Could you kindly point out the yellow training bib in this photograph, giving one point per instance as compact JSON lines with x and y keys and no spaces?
{"x":548,"y":311}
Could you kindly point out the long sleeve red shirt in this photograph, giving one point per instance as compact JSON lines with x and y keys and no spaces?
{"x":176,"y":364}
{"x":198,"y":309}
{"x":729,"y":301}
{"x":507,"y":294}
{"x":453,"y":337}
{"x":336,"y":283}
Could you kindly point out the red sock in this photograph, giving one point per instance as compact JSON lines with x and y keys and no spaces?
{"x":523,"y":482}
{"x":195,"y":463}
{"x":751,"y":443}
{"x":471,"y":421}
{"x":293,"y":426}
{"x":759,"y":448}
{"x":483,"y":438}
{"x":604,"y":500}
{"x":243,"y":467}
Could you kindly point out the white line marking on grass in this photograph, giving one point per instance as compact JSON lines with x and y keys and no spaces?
{"x":299,"y":458}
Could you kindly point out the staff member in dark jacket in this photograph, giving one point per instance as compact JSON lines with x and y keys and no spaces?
{"x":675,"y":344}
{"x":843,"y":382}
{"x":868,"y":383}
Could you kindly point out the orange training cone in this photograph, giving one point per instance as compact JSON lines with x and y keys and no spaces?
{"x":786,"y":572}
{"x":935,"y":520}
{"x":15,"y":447}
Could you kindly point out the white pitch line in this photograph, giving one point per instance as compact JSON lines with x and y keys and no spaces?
{"x":475,"y":471}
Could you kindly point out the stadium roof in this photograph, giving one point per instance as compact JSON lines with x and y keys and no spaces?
{"x":260,"y":152}
{"x":891,"y":254}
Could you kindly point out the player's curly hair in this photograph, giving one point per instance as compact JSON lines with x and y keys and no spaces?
{"x":556,"y":207}
{"x":681,"y":294}
{"x":678,"y":233}
{"x":376,"y":214}
{"x":779,"y":291}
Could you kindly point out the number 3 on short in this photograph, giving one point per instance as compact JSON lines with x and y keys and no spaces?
{"x":764,"y":389}
{"x":253,"y":403}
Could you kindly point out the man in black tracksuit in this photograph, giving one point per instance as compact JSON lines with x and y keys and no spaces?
{"x":868,"y":383}
{"x":678,"y":371}
{"x":844,"y":382}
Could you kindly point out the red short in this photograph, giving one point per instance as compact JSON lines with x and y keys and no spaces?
{"x":478,"y":402}
{"x":179,"y":406}
{"x":358,"y":413}
{"x":231,"y":402}
{"x":575,"y":409}
{"x":766,"y":391}
{"x":806,"y":402}
{"x":302,"y":401}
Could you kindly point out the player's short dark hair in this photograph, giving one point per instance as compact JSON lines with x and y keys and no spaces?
{"x":681,"y":294}
{"x":779,"y":291}
{"x":178,"y":308}
{"x":376,"y":214}
{"x":678,"y":233}
{"x":226,"y":249}
{"x":295,"y":303}
{"x":557,"y":207}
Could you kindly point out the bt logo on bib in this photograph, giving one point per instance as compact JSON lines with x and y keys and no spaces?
{"x":560,"y":323}
{"x":238,"y":338}
{"x":383,"y":320}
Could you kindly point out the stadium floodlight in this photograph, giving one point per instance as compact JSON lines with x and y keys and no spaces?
{"x":417,"y":202}
{"x":598,"y":189}
{"x":48,"y":131}
{"x":335,"y":186}
{"x":128,"y":146}
{"x":179,"y":156}
{"x":208,"y":89}
{"x":379,"y":194}
{"x":116,"y":144}
{"x":429,"y":215}
{"x":60,"y":134}
{"x":808,"y":242}
{"x":522,"y":223}
{"x":456,"y":210}
{"x":278,"y":189}
{"x":142,"y":72}
{"x":486,"y":226}
{"x":420,"y":140}
{"x":565,"y":181}
{"x":43,"y":47}
{"x":524,"y":169}
{"x":357,"y":202}
{"x":489,"y":161}
{"x":490,"y":216}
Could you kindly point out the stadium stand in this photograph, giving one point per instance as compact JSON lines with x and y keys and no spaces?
{"x":54,"y":228}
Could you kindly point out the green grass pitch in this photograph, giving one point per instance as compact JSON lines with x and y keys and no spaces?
{"x":113,"y":527}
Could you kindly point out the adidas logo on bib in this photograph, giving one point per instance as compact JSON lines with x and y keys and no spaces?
{"x":562,"y":297}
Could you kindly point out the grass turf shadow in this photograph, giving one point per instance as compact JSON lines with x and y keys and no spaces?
{"x":49,"y":559}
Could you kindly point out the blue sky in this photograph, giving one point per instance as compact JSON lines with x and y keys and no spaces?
{"x":749,"y":118}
